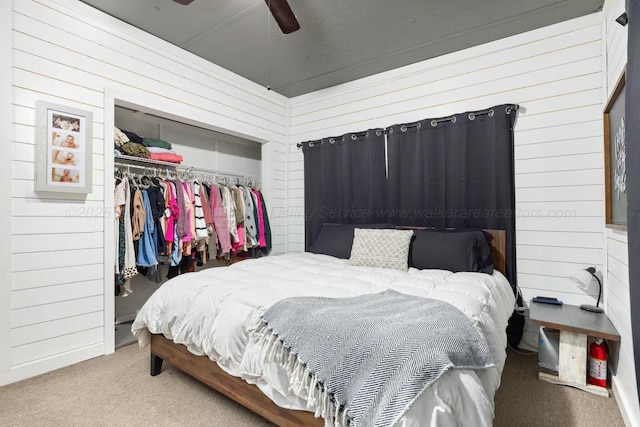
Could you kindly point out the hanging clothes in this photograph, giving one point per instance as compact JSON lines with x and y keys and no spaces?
{"x":240,"y":207}
{"x":164,"y":189}
{"x":230,"y":210}
{"x":238,"y":204}
{"x":259,"y":222}
{"x":187,"y":249}
{"x":157,"y":203}
{"x":183,"y":221}
{"x":138,"y":217}
{"x":176,"y":213}
{"x":129,"y":266}
{"x":171,"y":215}
{"x":267,"y":227}
{"x":200,"y":222}
{"x":249,"y":218}
{"x":177,"y":222}
{"x":203,"y":229}
{"x":206,"y":209}
{"x":264,"y":232}
{"x":119,"y":199}
{"x":190,"y":211}
{"x":148,"y":248}
{"x":220,"y":223}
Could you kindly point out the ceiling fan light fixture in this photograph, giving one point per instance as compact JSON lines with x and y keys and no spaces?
{"x":283,"y":15}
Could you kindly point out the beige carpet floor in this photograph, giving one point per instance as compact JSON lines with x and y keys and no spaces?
{"x":117,"y":390}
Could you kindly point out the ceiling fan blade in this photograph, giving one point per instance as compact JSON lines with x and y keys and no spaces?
{"x":283,"y":15}
{"x":184,"y":2}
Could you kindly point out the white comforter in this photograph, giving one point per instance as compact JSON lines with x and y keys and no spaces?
{"x":213,"y":312}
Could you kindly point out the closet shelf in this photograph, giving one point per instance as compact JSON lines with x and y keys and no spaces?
{"x":143,"y":160}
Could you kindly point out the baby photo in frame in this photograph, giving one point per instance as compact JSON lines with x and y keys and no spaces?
{"x":63,"y":149}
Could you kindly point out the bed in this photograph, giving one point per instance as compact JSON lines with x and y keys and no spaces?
{"x":206,"y":324}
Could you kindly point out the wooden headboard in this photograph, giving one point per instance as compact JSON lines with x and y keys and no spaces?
{"x":498,"y":244}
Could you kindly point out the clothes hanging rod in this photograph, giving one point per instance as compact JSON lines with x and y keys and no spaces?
{"x":180,"y":169}
{"x":189,"y":174}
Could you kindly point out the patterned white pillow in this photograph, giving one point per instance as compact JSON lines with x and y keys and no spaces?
{"x":381,"y":248}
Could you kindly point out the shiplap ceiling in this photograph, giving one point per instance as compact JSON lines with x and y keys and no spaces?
{"x":339,"y":40}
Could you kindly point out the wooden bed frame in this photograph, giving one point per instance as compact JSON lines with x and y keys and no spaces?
{"x":248,"y":395}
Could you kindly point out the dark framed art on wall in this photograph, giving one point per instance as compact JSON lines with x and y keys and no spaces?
{"x":615,"y":173}
{"x":63,"y":149}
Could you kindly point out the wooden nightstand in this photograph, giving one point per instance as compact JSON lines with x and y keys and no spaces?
{"x":574,"y":325}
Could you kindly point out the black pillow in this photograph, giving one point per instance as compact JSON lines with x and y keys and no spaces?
{"x":484,"y":250}
{"x":456,"y":250}
{"x":336,"y":239}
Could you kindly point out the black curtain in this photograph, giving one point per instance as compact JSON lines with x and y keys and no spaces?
{"x":345,"y":181}
{"x":632,"y":140}
{"x":448,"y":172}
{"x":456,"y":172}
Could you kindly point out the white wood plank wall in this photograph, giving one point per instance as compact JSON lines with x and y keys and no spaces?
{"x":559,"y":76}
{"x":555,"y":75}
{"x":617,"y":307}
{"x":69,"y":53}
{"x":617,"y":261}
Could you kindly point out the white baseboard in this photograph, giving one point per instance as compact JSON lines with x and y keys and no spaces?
{"x":628,"y":406}
{"x":42,"y":366}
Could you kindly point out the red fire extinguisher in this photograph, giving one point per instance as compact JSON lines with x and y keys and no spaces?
{"x":598,"y":363}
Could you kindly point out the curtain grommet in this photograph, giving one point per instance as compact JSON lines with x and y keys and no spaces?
{"x":378,"y":132}
{"x":332,"y":141}
{"x":453,"y":119}
{"x":403,"y":128}
{"x":508,"y":109}
{"x":472,"y":116}
{"x":419,"y":125}
{"x":434,"y":123}
{"x":311,"y":144}
{"x":354,"y":136}
{"x":390,"y":130}
{"x":491,"y":113}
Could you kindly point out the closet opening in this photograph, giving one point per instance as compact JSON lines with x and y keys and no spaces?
{"x":176,"y":151}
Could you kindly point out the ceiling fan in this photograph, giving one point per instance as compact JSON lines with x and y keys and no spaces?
{"x":281,"y":12}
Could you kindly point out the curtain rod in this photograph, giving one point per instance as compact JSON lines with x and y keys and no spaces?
{"x":333,"y":139}
{"x":403,"y":127}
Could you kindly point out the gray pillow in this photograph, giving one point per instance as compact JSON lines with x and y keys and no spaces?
{"x":381,"y":248}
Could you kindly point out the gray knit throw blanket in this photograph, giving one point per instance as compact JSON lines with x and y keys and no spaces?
{"x":362,"y":361}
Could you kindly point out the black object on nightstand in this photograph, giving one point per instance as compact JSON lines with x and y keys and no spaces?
{"x":547,"y":300}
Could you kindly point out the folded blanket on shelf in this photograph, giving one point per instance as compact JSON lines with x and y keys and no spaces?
{"x":133,"y":137}
{"x":160,"y":150}
{"x":155,"y":142}
{"x":134,"y":149}
{"x":119,"y":137}
{"x":166,"y":157}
